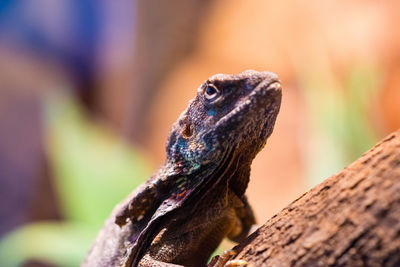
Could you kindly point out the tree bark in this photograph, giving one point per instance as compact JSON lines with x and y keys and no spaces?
{"x":351,"y":219}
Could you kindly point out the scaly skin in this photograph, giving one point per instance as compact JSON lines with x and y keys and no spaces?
{"x":181,"y":214}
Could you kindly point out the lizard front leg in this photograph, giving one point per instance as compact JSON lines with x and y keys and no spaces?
{"x":244,"y":219}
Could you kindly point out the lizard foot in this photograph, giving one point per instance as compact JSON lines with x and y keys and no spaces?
{"x":223,"y":260}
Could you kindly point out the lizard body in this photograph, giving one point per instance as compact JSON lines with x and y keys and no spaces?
{"x":180,"y":215}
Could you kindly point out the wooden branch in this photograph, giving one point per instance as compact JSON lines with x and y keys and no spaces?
{"x":351,"y":219}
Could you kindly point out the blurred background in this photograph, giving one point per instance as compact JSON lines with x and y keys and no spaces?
{"x":89,"y":90}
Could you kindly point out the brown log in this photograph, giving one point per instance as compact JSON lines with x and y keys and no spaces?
{"x":351,"y":219}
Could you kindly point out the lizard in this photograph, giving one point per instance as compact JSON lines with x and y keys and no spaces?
{"x":181,"y":213}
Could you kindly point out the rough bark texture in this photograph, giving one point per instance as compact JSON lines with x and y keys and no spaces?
{"x":351,"y":219}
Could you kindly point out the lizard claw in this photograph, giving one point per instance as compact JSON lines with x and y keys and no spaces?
{"x":236,"y":263}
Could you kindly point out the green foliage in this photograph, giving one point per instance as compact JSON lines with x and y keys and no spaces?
{"x":338,"y":109}
{"x":93,"y":171}
{"x":62,"y":244}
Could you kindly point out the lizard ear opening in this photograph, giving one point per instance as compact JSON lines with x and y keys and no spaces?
{"x":187,"y":131}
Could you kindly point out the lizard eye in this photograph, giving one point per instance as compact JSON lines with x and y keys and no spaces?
{"x":211,"y":91}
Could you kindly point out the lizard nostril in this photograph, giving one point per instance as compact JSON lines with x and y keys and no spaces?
{"x":187,"y":131}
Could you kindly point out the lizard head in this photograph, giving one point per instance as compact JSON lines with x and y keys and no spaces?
{"x":229,"y":112}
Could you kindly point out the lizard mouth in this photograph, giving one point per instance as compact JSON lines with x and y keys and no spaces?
{"x":264,"y":98}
